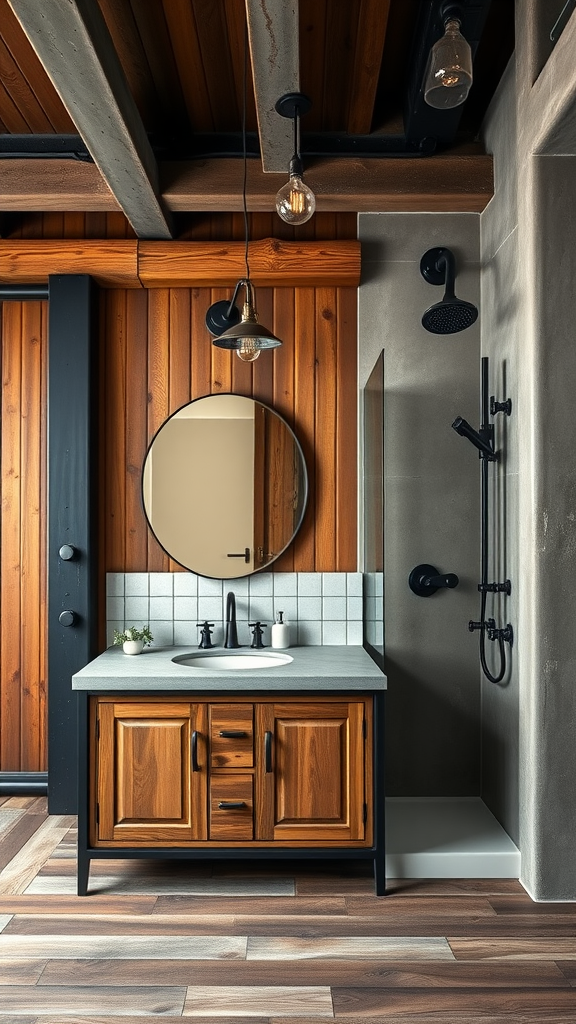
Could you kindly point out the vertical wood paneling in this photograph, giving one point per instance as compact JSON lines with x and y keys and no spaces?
{"x":158,"y":390}
{"x":22,"y":533}
{"x":304,"y":418}
{"x":10,"y":567}
{"x":346,"y":433}
{"x":200,"y":347}
{"x":326,"y":397}
{"x":136,"y":426}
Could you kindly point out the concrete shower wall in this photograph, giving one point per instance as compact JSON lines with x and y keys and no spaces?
{"x":431,"y":500}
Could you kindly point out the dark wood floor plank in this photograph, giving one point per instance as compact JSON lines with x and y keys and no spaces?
{"x":568,"y":969}
{"x":341,"y":973}
{"x":354,"y":1002}
{"x":539,"y":1016}
{"x":513,"y":947}
{"x":455,"y":887}
{"x":524,"y":905}
{"x":421,"y":906}
{"x":250,"y":905}
{"x":101,"y":924}
{"x":23,"y":830}
{"x":20,"y":972}
{"x":96,"y":904}
{"x":85,"y":1000}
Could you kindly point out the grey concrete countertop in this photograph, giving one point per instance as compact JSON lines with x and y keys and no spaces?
{"x":312,"y":668}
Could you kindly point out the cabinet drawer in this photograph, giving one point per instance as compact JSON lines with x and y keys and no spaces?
{"x":231,"y":807}
{"x":231,"y":735}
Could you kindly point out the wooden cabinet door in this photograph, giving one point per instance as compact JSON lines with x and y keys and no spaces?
{"x":151,"y":772}
{"x":311,"y":771}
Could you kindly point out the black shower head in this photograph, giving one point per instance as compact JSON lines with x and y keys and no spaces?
{"x":451,"y":315}
{"x":462,"y":427}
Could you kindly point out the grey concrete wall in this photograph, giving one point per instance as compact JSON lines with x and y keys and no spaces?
{"x":431,"y":500}
{"x":501,"y":304}
{"x":528,"y":244}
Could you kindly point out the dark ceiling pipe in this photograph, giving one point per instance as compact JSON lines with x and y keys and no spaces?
{"x":22,"y":292}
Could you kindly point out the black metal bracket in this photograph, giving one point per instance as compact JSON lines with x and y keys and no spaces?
{"x":496,"y":588}
{"x":505,"y":406}
{"x":492,"y":632}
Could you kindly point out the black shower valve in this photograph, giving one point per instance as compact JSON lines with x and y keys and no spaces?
{"x":425,"y":580}
{"x":472,"y":626}
{"x":505,"y":406}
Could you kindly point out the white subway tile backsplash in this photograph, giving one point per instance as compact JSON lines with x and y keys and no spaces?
{"x":185,"y":584}
{"x":115,"y":584}
{"x":334,"y":633}
{"x":320,"y":607}
{"x":309,"y":633}
{"x":161,"y":607}
{"x":285,"y":584}
{"x":261,"y":585}
{"x":209,"y":608}
{"x":334,"y":584}
{"x":136,"y":612}
{"x":209,"y":588}
{"x":309,"y":584}
{"x":186,"y":608}
{"x":354,"y":584}
{"x":163,"y":632}
{"x":354,"y":632}
{"x":309,"y":608}
{"x":136,"y":584}
{"x":115,"y":608}
{"x":334,"y":608}
{"x":262,"y":608}
{"x":161,"y":584}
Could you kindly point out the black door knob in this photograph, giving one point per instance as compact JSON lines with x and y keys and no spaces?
{"x":67,"y":618}
{"x":67,"y":552}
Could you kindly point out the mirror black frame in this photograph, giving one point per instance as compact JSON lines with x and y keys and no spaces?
{"x":304,"y":475}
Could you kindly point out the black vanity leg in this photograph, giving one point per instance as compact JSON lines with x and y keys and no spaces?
{"x":83,"y":871}
{"x":380,"y":876}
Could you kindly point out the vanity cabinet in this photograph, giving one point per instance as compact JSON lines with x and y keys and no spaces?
{"x":195,"y":763}
{"x":172,"y":772}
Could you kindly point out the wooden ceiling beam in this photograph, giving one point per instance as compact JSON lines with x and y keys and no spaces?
{"x":461,"y":183}
{"x":372,"y":25}
{"x":436,"y":184}
{"x":273,"y":36}
{"x":74,"y":45}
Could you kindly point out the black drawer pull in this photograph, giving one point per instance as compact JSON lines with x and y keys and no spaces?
{"x":268,"y":752}
{"x":232,"y":734}
{"x":195,"y":766}
{"x":231,"y":805}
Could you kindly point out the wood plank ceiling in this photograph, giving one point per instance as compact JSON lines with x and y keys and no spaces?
{"x":155,"y":90}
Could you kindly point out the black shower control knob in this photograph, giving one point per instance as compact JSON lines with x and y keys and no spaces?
{"x":67,"y":552}
{"x":67,"y":618}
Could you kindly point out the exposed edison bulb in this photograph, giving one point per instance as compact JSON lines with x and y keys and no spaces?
{"x":449,"y":72}
{"x":295,"y":202}
{"x":248,"y":350}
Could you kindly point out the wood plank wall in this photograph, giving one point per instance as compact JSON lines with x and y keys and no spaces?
{"x":156,"y":355}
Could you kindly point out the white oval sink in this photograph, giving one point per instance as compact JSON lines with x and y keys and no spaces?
{"x":232,"y":662}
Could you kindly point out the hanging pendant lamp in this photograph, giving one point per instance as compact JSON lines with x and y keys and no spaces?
{"x":295,"y":202}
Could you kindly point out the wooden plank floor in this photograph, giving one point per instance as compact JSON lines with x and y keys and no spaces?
{"x":269,"y":944}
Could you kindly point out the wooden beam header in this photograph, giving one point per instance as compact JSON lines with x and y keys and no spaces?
{"x":443,"y":184}
{"x":134,"y":264}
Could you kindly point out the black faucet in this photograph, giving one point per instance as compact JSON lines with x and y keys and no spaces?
{"x":231,"y":631}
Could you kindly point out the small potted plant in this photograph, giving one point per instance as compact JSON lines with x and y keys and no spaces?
{"x":133,"y":640}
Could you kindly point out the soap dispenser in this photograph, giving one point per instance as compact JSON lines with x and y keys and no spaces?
{"x":280,"y":633}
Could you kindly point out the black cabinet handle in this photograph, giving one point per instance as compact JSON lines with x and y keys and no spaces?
{"x":231,"y":805}
{"x":268,"y":752}
{"x":195,"y":765}
{"x":232,"y":734}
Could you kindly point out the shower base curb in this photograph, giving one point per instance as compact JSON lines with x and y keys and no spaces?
{"x":451,"y":837}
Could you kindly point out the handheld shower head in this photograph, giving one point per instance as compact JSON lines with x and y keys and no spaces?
{"x":451,"y":315}
{"x":462,"y":427}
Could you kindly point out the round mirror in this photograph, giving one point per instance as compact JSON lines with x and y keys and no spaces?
{"x":224,"y":486}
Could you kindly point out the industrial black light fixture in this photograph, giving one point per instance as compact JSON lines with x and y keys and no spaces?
{"x":295,"y":202}
{"x":229,"y":328}
{"x":449,"y":71}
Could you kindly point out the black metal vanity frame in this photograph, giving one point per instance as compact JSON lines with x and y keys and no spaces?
{"x":375,"y":853}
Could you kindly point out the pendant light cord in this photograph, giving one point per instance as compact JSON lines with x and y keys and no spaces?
{"x":244,"y":104}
